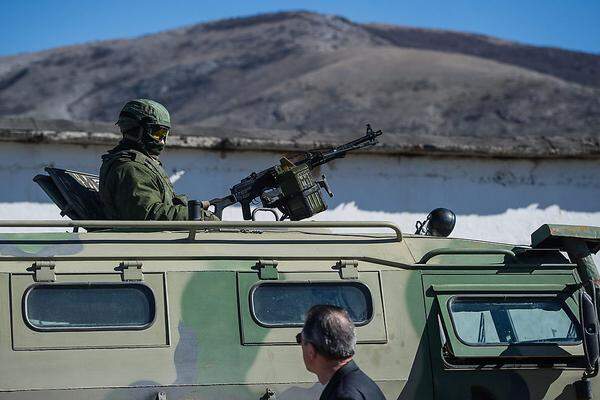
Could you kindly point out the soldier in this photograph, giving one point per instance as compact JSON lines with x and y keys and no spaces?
{"x":133,"y":183}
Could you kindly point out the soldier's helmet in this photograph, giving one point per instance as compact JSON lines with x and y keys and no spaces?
{"x":143,"y":112}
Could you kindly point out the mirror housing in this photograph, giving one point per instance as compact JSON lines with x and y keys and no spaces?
{"x":590,"y":329}
{"x":440,"y":222}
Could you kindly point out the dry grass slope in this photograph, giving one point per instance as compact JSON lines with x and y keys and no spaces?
{"x":308,"y":72}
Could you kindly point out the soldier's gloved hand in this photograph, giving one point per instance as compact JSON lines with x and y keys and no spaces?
{"x":209,"y":216}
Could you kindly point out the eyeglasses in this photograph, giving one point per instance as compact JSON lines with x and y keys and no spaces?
{"x":300,"y":339}
{"x":159,"y":132}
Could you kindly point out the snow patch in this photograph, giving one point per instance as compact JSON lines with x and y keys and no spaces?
{"x":176,"y":176}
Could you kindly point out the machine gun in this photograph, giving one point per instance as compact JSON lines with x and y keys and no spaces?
{"x":290,"y":187}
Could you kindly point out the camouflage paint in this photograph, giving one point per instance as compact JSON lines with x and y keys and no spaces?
{"x":215,"y":332}
{"x":39,"y":244}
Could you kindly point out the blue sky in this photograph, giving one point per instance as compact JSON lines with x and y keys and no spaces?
{"x":32,"y":25}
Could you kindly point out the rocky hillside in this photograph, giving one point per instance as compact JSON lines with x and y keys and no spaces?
{"x":309,"y":72}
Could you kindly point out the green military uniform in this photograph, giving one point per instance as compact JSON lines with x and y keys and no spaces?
{"x":133,"y":183}
{"x":134,"y":186}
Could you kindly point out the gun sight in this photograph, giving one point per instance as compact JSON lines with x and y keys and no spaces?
{"x":371,"y":134}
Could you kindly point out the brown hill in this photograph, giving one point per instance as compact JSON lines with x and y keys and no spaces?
{"x":308,"y":72}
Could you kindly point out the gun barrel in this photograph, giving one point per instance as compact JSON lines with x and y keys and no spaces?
{"x":368,"y":140}
{"x":314,"y":159}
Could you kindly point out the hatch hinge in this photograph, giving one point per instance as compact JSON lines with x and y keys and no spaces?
{"x":267,"y":269}
{"x":348,"y":269}
{"x":161,"y":396}
{"x":269,"y":395}
{"x":131,"y":271}
{"x":44,"y":271}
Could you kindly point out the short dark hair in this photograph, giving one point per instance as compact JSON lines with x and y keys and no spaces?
{"x":331,"y":331}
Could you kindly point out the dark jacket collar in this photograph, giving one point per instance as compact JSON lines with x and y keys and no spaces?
{"x":337,"y":377}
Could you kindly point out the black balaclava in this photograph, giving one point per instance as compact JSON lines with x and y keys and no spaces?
{"x":138,"y":136}
{"x":152,"y":146}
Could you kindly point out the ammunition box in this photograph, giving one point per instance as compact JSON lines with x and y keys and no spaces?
{"x":301,"y":193}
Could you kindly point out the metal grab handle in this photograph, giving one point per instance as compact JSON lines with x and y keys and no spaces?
{"x":193,"y":226}
{"x":271,"y":210}
{"x":440,"y":252}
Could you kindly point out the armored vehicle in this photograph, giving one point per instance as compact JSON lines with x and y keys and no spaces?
{"x":210,"y":310}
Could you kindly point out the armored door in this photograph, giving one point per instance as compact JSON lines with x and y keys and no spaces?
{"x":504,"y":335}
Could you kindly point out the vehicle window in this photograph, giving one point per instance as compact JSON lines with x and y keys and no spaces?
{"x":489,"y":321}
{"x":285,"y":304}
{"x":89,"y":306}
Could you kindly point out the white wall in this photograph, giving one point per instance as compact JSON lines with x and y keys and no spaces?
{"x":500,"y":200}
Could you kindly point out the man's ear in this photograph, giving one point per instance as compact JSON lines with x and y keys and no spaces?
{"x":311,"y":351}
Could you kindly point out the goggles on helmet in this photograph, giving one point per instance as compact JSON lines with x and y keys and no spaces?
{"x":159,"y":132}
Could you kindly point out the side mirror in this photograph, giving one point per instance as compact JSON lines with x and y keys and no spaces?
{"x":590,"y":329}
{"x":440,"y":222}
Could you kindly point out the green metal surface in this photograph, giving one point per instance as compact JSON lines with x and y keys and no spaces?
{"x":549,"y":235}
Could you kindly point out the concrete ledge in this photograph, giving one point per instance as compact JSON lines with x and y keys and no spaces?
{"x":28,"y":130}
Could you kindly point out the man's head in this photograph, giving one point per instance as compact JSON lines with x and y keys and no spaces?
{"x":327,"y":338}
{"x":145,"y":122}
